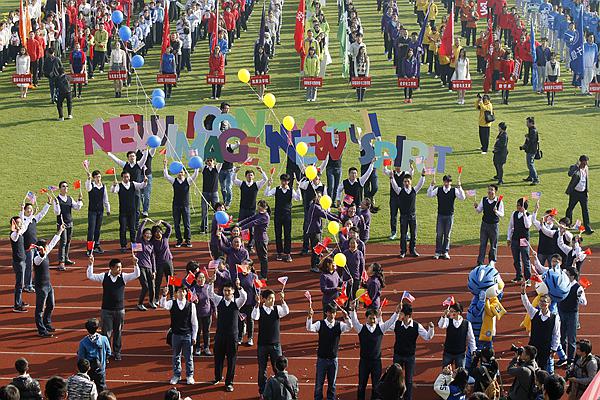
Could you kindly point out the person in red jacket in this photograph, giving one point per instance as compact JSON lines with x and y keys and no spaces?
{"x":216,"y":65}
{"x":504,"y":23}
{"x":497,"y":56}
{"x":236,"y":14}
{"x":35,"y":53}
{"x":42,"y":45}
{"x":229,"y":18}
{"x":523,"y":53}
{"x":507,"y":67}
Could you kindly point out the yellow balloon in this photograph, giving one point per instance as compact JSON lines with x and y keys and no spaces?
{"x":301,"y":149}
{"x":244,"y":75}
{"x":288,"y":122}
{"x":269,"y":100}
{"x":311,"y":172}
{"x":325,"y":202}
{"x":340,"y":260}
{"x":333,"y":227}
{"x":359,"y":293}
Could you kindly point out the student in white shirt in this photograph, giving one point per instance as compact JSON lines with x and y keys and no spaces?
{"x":181,"y":203}
{"x":408,"y":211}
{"x":118,"y":63}
{"x":492,"y":209}
{"x":63,"y":206}
{"x":459,"y":336}
{"x":517,"y":238}
{"x":30,"y":237}
{"x":97,"y":204}
{"x":128,"y":207}
{"x":445,"y":214}
{"x":283,"y":215}
{"x":184,"y":328}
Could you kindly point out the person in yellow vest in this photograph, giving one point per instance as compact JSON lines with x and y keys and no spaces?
{"x":311,"y":69}
{"x":433,"y":12}
{"x":456,"y":48}
{"x":444,"y":62}
{"x":421,"y":10}
{"x":484,"y":105}
{"x":311,"y":42}
{"x":432,"y":52}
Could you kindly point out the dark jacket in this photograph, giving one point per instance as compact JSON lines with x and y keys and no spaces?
{"x":575,"y":174}
{"x":275,"y":388}
{"x":524,"y":379}
{"x":63,"y":86}
{"x":501,"y":148}
{"x":51,"y":66}
{"x":531,"y":141}
{"x":29,"y":388}
{"x":261,"y":63}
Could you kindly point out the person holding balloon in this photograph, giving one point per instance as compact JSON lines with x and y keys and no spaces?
{"x":314,"y":224}
{"x":329,"y":282}
{"x":353,"y":268}
{"x":117,"y":63}
{"x":249,"y":190}
{"x":310,"y":186}
{"x":181,"y":199}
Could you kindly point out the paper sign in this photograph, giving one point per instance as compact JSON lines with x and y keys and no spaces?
{"x":90,"y":245}
{"x":553,"y":86}
{"x":78,"y":78}
{"x":523,"y":242}
{"x":166,"y":79}
{"x":22,"y":78}
{"x":312,"y":81}
{"x":260,"y":80}
{"x":117,"y":75}
{"x":411,"y":83}
{"x":461,"y":85}
{"x":215,"y":80}
{"x":360,"y":81}
{"x":594,"y":87}
{"x":505,"y":85}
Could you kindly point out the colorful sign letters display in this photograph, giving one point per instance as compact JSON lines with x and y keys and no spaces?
{"x":130,"y":132}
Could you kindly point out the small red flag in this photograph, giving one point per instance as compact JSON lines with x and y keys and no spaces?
{"x":348,"y":199}
{"x":90,"y":245}
{"x":245,"y":234}
{"x":189,"y":279}
{"x":364,"y":277}
{"x":344,"y":230}
{"x":318,"y":249}
{"x":174,"y":281}
{"x":500,"y":198}
{"x":587,"y":252}
{"x":384,"y":303}
{"x":260,"y":283}
{"x":43,"y":190}
{"x":110,"y":171}
{"x":554,"y":212}
{"x":241,"y":268}
{"x":326,"y":241}
{"x":77,"y":184}
{"x":272,"y":170}
{"x":449,"y":301}
{"x":341,"y":299}
{"x":366,"y":298}
{"x":536,"y":278}
{"x":162,"y":151}
{"x":585,"y":282}
{"x":581,"y":228}
{"x":460,"y":169}
{"x":387,"y":162}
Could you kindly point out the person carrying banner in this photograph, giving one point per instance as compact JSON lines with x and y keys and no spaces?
{"x":552,"y":75}
{"x":63,"y":206}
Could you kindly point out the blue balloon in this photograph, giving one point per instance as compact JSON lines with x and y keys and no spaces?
{"x":117,"y":17}
{"x":158,"y":102}
{"x":125,"y":33}
{"x":195,"y":162}
{"x":137,"y":61}
{"x":221,"y":217}
{"x":153,"y":141}
{"x":158,"y":93}
{"x":175,"y":167}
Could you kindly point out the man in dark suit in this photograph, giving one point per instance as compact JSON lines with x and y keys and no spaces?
{"x":500,"y":152}
{"x":578,"y":191}
{"x":530,"y":148}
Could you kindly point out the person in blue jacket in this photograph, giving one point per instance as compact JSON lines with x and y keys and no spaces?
{"x":168,"y":66}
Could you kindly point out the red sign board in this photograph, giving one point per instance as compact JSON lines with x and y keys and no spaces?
{"x":166,"y":79}
{"x":505,"y":85}
{"x":461,"y":85}
{"x":594,"y":87}
{"x":215,"y":80}
{"x":259,"y":80}
{"x":312,"y":81}
{"x":78,"y":78}
{"x":117,"y":75}
{"x":360,"y":81}
{"x":411,"y":83}
{"x":553,"y":86}
{"x":22,"y":78}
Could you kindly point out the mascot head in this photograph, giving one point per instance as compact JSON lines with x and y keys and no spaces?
{"x":485,"y":278}
{"x":555,"y":283}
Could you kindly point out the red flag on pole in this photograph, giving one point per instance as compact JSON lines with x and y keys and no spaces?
{"x":166,"y":40}
{"x":448,"y":37}
{"x":299,"y":31}
{"x":214,"y":28}
{"x":24,"y":22}
{"x":489,"y":70}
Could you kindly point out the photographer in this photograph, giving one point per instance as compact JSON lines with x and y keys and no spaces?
{"x":522,"y":368}
{"x":484,"y":368}
{"x":583,"y":370}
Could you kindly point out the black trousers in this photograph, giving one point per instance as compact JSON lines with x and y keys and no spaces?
{"x":581,"y":198}
{"x":283,"y":233}
{"x":147,"y":285}
{"x":126,"y":223}
{"x":216,"y":91}
{"x":61,"y":97}
{"x":203,"y":332}
{"x":499,"y":169}
{"x":248,"y":322}
{"x":263,"y":256}
{"x":368,"y":368}
{"x":182,"y":213}
{"x":394,"y":208}
{"x":484,"y":137}
{"x":163,"y":269}
{"x":314,"y":239}
{"x":408,"y":222}
{"x":34,"y":67}
{"x":94,"y":225}
{"x":225,"y":346}
{"x":185,"y":59}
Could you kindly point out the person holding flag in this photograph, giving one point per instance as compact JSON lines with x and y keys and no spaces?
{"x":97,"y":204}
{"x":459,"y":334}
{"x":330,"y":282}
{"x":63,"y":206}
{"x":269,"y":344}
{"x":329,"y":331}
{"x":204,"y":309}
{"x":492,"y":208}
{"x":235,"y":251}
{"x":354,"y":268}
{"x":128,"y":206}
{"x":135,"y":166}
{"x":407,"y":332}
{"x":162,"y":256}
{"x":314,"y":227}
{"x":299,"y":32}
{"x":370,"y":336}
{"x":518,"y":240}
{"x":144,"y":251}
{"x":259,"y":223}
{"x":247,"y":276}
{"x":30,"y":235}
{"x":248,"y":191}
{"x":374,"y":280}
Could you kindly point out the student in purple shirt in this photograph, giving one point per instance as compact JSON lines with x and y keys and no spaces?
{"x":313,"y":222}
{"x":351,"y":215}
{"x":213,"y":245}
{"x":355,"y":265}
{"x":204,"y":310}
{"x":235,"y":253}
{"x":330,"y":281}
{"x":375,"y":283}
{"x":147,"y":264}
{"x":353,"y":234}
{"x":260,"y":222}
{"x":162,"y":256}
{"x":365,"y":211}
{"x":222,"y":276}
{"x":247,"y":278}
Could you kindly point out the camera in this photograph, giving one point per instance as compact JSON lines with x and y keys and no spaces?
{"x":477,"y":353}
{"x":517,"y":349}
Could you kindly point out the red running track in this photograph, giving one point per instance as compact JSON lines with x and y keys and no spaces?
{"x":146,"y":365}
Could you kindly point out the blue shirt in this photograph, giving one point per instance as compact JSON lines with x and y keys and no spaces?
{"x":95,"y":347}
{"x":168,"y":63}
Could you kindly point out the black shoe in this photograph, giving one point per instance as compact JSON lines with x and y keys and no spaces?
{"x":534,"y":183}
{"x":19,"y":309}
{"x":98,"y":250}
{"x":23,"y":304}
{"x":45,"y":334}
{"x":50,"y":329}
{"x":304,"y":252}
{"x":118,"y":357}
{"x":215,"y":381}
{"x":589,"y":231}
{"x":123,"y":250}
{"x":414,"y":253}
{"x":178,"y":244}
{"x":188,"y":243}
{"x":500,"y":183}
{"x":198,"y":352}
{"x":495,"y":177}
{"x":528,"y":179}
{"x":315,"y":269}
{"x":69,"y":262}
{"x":29,"y":290}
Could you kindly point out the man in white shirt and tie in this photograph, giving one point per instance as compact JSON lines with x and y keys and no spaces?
{"x":492,"y":208}
{"x":63,"y":206}
{"x":184,"y":328}
{"x":517,"y":238}
{"x":459,"y":336}
{"x":578,"y":191}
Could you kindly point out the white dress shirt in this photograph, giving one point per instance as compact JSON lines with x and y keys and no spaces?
{"x":425,"y":334}
{"x":345,"y":326}
{"x":397,"y":188}
{"x":190,"y":179}
{"x":38,"y":217}
{"x":75,"y":205}
{"x":580,"y":187}
{"x":100,"y":277}
{"x":296,"y":195}
{"x":136,"y":185}
{"x":361,"y":181}
{"x":433,"y":190}
{"x":259,"y":184}
{"x":282,"y":310}
{"x":37,"y":260}
{"x":532,"y":311}
{"x":445,"y":321}
{"x":240,"y":301}
{"x":168,"y":304}
{"x":543,"y":227}
{"x":384,"y":326}
{"x":511,"y":223}
{"x":141,"y":162}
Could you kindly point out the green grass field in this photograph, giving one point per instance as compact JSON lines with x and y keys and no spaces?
{"x":38,"y":151}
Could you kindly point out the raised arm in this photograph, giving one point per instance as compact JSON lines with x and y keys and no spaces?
{"x":365,"y":177}
{"x":166,"y":173}
{"x":395,"y":186}
{"x":355,"y":322}
{"x":116,"y":159}
{"x":127,"y":277}
{"x":432,"y":190}
{"x":531,"y":310}
{"x":142,"y":161}
{"x":90,"y":271}
{"x":420,"y":183}
{"x":194,"y":176}
{"x":264,"y":179}
{"x":240,"y":301}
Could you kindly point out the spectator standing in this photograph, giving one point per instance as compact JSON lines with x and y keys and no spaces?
{"x":282,"y":386}
{"x":95,"y":348}
{"x":29,"y":388}
{"x":80,"y":386}
{"x":531,"y":147}
{"x":578,"y":191}
{"x":500,"y":152}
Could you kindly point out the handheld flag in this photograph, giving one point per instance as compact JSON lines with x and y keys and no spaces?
{"x":43,"y":190}
{"x":553,"y":212}
{"x":587,"y":252}
{"x":523,"y":242}
{"x":577,"y":224}
{"x":387,"y":162}
{"x":536,"y":195}
{"x":534,"y":72}
{"x":409,"y":297}
{"x":272,"y":171}
{"x":448,"y":37}
{"x":261,"y":31}
{"x":460,"y":169}
{"x":90,"y":245}
{"x":343,"y":297}
{"x":326,"y":241}
{"x":136,"y":246}
{"x":52,"y":188}
{"x":581,"y":228}
{"x":245,"y":234}
{"x":191,"y":296}
{"x":30,"y":196}
{"x":110,"y":171}
{"x":77,"y":184}
{"x":343,"y":230}
{"x":214,"y":264}
{"x":576,"y":46}
{"x":500,"y":198}
{"x":489,"y":46}
{"x":319,"y":248}
{"x":348,"y":199}
{"x":174,"y":281}
{"x":242,"y":317}
{"x":364,"y":277}
{"x":86,"y":164}
{"x":449,"y":301}
{"x":384,"y":303}
{"x":472,"y":193}
{"x":585,"y":282}
{"x":190,"y":278}
{"x":299,"y":31}
{"x":166,"y":39}
{"x":260,"y":283}
{"x":365,"y":298}
{"x":241,"y":268}
{"x":163,"y":152}
{"x":536,"y":278}
{"x":283,"y":280}
{"x":307,"y":295}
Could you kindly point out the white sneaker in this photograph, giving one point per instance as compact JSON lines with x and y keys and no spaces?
{"x":250,"y":342}
{"x":392,"y":236}
{"x":190,"y":380}
{"x":446,"y":256}
{"x":60,"y":119}
{"x":141,"y":307}
{"x":436,"y":256}
{"x":174,"y":380}
{"x":69,"y":116}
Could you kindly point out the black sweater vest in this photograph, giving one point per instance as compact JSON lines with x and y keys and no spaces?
{"x":283,"y":202}
{"x":406,"y":339}
{"x":541,"y":332}
{"x":329,"y":340}
{"x":548,"y":245}
{"x":18,"y":249}
{"x":30,"y":235}
{"x":399,"y":181}
{"x":227,"y":321}
{"x":210,"y":180}
{"x":446,"y":201}
{"x":489,"y":216}
{"x":268,"y":327}
{"x":181,"y":320}
{"x":310,"y":193}
{"x":96,"y":198}
{"x":135,"y":172}
{"x":248,"y":198}
{"x":65,"y":210}
{"x":353,"y":189}
{"x":126,"y":199}
{"x":113,"y":293}
{"x":407,"y":202}
{"x":370,"y":343}
{"x":456,"y":338}
{"x":181,"y":193}
{"x":570,"y":303}
{"x":519,"y":230}
{"x":42,"y":273}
